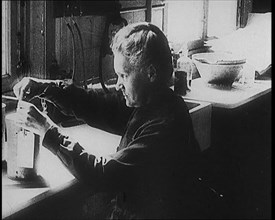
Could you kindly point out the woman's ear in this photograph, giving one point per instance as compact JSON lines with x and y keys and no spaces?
{"x":152,"y":73}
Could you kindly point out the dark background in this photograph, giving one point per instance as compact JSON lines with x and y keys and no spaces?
{"x":261,"y":6}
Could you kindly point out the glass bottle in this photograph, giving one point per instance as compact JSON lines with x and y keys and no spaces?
{"x":183,"y":75}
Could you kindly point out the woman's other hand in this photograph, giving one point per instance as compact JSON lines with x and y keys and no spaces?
{"x":31,"y":118}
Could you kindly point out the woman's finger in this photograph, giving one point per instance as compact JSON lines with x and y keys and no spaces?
{"x":17,"y":89}
{"x":21,"y":91}
{"x":20,"y":88}
{"x":27,"y":127}
{"x":24,"y":115}
{"x":27,"y":122}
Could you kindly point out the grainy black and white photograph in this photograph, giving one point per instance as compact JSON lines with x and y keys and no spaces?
{"x":146,"y":109}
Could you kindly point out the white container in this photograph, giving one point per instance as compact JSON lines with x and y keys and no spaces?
{"x":218,"y":68}
{"x":23,"y":150}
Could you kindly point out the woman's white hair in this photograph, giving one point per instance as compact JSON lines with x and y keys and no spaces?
{"x":144,"y":44}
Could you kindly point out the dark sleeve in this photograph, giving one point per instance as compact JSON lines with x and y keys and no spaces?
{"x":148,"y":153}
{"x":96,"y":108}
{"x":104,"y":173}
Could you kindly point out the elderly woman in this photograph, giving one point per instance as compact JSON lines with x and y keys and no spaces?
{"x":152,"y":172}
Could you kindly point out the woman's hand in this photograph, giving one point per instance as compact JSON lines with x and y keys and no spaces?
{"x":31,"y":118}
{"x":29,"y":87}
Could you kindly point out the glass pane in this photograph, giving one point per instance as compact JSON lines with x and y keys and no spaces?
{"x":222,"y":17}
{"x":157,"y":17}
{"x":185,"y":20}
{"x":5,"y":37}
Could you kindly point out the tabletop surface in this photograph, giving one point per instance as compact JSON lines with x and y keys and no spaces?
{"x":224,"y":97}
{"x":53,"y":175}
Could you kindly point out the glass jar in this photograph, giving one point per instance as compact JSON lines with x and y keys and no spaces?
{"x":183,"y":75}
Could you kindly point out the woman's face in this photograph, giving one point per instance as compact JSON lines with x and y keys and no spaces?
{"x":131,"y":81}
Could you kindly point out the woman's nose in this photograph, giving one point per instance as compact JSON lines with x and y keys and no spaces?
{"x":118,"y":84}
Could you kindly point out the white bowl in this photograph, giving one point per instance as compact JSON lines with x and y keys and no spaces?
{"x":218,"y":68}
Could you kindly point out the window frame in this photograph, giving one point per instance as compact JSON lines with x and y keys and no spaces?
{"x":11,"y":75}
{"x":5,"y":37}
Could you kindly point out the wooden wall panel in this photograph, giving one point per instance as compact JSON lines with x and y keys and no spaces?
{"x":49,"y":32}
{"x":37,"y":41}
{"x":91,"y":28}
